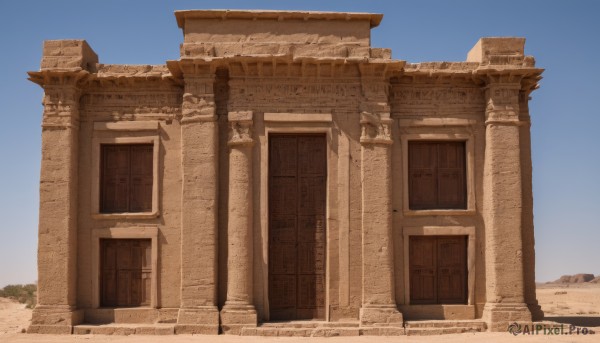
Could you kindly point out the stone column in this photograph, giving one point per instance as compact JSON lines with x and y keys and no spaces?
{"x":63,"y":69}
{"x":378,"y":300}
{"x":239,"y":311}
{"x":199,"y":152}
{"x":502,"y":208}
{"x":527,"y":213}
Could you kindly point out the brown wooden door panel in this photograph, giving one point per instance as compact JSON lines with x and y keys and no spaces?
{"x":422,"y":270}
{"x":297,"y":188}
{"x":452,"y":269}
{"x":109,"y":291}
{"x":283,"y":195}
{"x":126,"y":178}
{"x":437,"y":175}
{"x":311,"y":155}
{"x":312,"y":195}
{"x":126,"y":272}
{"x":283,"y":228}
{"x":438,"y":269}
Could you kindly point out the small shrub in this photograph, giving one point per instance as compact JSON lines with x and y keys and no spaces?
{"x":25,"y":294}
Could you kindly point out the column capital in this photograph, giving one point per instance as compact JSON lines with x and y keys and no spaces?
{"x":198,"y":103}
{"x":375,"y":129}
{"x":240,"y":132}
{"x":62,"y":91}
{"x":502,"y":99}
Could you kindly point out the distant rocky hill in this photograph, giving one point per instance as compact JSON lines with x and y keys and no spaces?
{"x":577,"y":278}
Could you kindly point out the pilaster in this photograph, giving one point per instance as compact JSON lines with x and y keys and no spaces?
{"x":503,"y":206}
{"x":239,"y":311}
{"x":527,"y":212}
{"x":199,"y":146}
{"x":62,"y":77}
{"x":378,"y":300}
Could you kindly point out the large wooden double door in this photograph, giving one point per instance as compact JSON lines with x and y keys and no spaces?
{"x":297,"y":195}
{"x":438,"y":269}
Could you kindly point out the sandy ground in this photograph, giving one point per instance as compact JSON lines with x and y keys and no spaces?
{"x":580,"y":305}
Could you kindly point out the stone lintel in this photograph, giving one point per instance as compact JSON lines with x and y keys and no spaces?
{"x":298,"y":117}
{"x":147,"y":125}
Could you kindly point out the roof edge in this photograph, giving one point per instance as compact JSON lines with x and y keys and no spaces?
{"x":182,"y":15}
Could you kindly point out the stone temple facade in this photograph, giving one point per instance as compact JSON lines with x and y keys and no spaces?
{"x":285,"y":177}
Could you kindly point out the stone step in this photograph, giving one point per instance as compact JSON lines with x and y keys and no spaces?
{"x":309,"y":324}
{"x":300,"y":332}
{"x":422,"y":324}
{"x":124,"y":329}
{"x":443,"y":327}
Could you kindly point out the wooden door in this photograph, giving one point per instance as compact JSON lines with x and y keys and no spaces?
{"x":436,"y":175}
{"x":438,"y":269}
{"x":126,"y":272}
{"x":297,"y":190}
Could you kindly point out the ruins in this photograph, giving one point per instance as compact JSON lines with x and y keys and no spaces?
{"x":283,"y":177}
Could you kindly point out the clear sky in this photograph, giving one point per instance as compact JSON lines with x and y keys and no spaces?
{"x":562,"y":35}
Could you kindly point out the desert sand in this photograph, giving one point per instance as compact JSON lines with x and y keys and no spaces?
{"x":577,"y":304}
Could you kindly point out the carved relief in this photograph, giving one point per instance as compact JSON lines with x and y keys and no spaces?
{"x":439,"y":96}
{"x":61,"y":106}
{"x":375,"y":129}
{"x":240,"y":132}
{"x":502,"y":103}
{"x":198,"y":99}
{"x":282,"y":89}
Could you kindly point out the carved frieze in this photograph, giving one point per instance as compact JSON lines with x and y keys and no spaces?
{"x":287,"y":95}
{"x":240,"y":132}
{"x":127,"y":103}
{"x":375,"y":129}
{"x":427,"y":96}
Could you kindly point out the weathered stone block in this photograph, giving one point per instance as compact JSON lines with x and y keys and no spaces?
{"x":487,"y":47}
{"x":69,"y":53}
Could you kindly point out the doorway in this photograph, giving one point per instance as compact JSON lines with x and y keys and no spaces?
{"x":297,"y":241}
{"x":438,"y":269}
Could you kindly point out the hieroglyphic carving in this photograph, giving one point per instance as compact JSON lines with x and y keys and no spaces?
{"x":375,"y":128}
{"x":438,"y":95}
{"x":240,"y":132}
{"x":296,"y":94}
{"x":61,"y":106}
{"x":295,"y":88}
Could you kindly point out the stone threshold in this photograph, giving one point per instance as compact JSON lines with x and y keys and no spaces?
{"x":124,"y":329}
{"x":301,"y":329}
{"x":442,"y":327}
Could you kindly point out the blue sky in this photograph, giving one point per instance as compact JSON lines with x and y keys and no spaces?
{"x":562,"y":35}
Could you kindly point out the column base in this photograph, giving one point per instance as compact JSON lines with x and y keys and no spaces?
{"x":536,"y":311}
{"x":198,"y":321}
{"x":499,"y":316}
{"x":381,"y":316}
{"x":59,"y":319}
{"x":235,"y":318}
